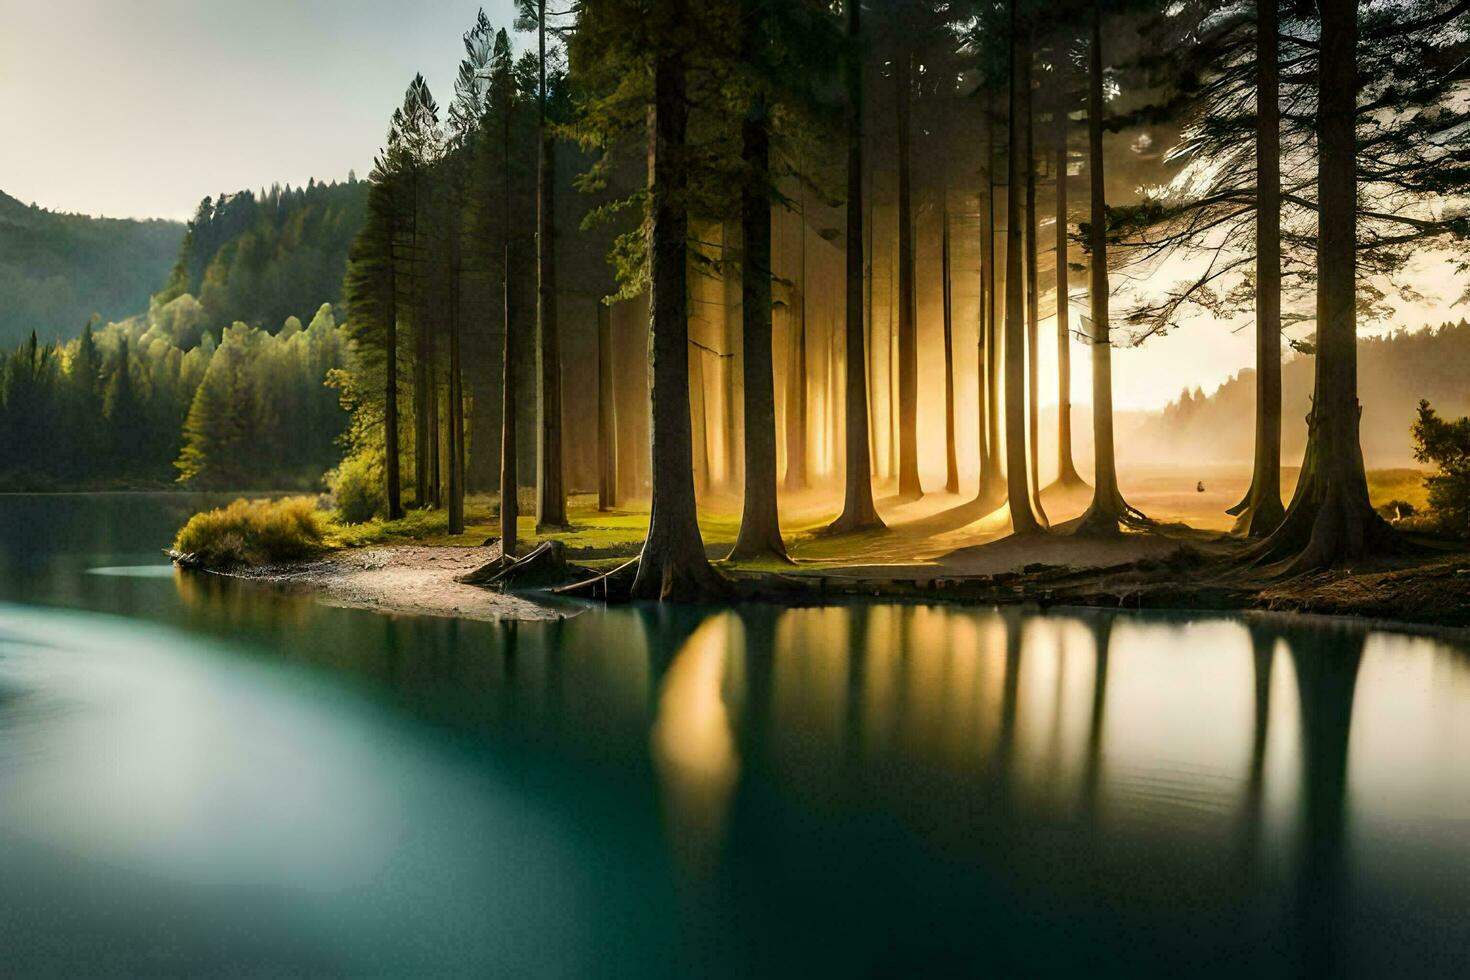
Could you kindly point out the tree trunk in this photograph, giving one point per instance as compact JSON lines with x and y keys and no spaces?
{"x":1330,"y":519}
{"x":734,"y":325}
{"x":509,"y":477}
{"x":1033,"y":301}
{"x":420,"y":363}
{"x":551,"y":494}
{"x":607,"y":414}
{"x":436,"y":486}
{"x":1107,"y":508}
{"x":509,"y":389}
{"x":1018,"y":491}
{"x":672,"y":565}
{"x":951,"y":463}
{"x":992,"y":489}
{"x":456,"y":411}
{"x":1260,"y":512}
{"x":858,"y":512}
{"x":1067,"y":475}
{"x":390,"y":389}
{"x":796,"y":375}
{"x":908,"y":340}
{"x":760,"y":528}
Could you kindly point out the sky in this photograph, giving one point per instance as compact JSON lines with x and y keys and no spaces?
{"x":140,"y":108}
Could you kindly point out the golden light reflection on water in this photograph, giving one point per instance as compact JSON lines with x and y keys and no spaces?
{"x":1194,"y":726}
{"x":693,"y":745}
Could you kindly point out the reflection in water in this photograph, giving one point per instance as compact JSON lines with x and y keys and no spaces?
{"x":202,"y":776}
{"x":693,"y":746}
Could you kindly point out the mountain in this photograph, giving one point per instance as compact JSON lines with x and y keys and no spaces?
{"x":56,"y":270}
{"x":1394,"y":372}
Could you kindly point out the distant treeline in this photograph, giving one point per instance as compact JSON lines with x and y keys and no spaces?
{"x":1394,"y":372}
{"x":56,"y":270}
{"x":144,"y":403}
{"x":259,"y":259}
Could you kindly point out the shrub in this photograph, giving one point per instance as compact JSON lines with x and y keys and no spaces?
{"x":357,"y":490}
{"x":1446,"y":444}
{"x":253,"y":532}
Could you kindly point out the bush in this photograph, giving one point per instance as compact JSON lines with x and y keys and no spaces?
{"x":1446,"y":444}
{"x":357,"y":490}
{"x":253,"y":532}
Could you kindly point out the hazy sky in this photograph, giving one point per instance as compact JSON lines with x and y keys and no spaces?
{"x":139,"y":108}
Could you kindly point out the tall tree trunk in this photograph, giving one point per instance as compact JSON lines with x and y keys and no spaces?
{"x":760,"y":527}
{"x":992,"y":489}
{"x":456,"y":411}
{"x":1018,"y":491}
{"x":908,"y":338}
{"x":1067,"y":475}
{"x":1107,"y":508}
{"x":1260,"y":512}
{"x":858,"y":512}
{"x":607,"y":414}
{"x":1033,"y":300}
{"x":436,"y":485}
{"x":797,"y":380}
{"x":672,"y":565}
{"x":734,"y":326}
{"x":509,"y":477}
{"x":509,"y":389}
{"x":551,"y":494}
{"x":1330,"y":519}
{"x":951,"y":462}
{"x":391,"y":470}
{"x":421,"y":442}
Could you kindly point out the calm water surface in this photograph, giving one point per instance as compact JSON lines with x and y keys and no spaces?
{"x":199,"y":777}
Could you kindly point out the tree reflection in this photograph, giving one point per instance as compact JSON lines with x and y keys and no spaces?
{"x":1327,"y":676}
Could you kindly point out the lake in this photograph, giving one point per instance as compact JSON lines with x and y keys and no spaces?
{"x":205,"y":776}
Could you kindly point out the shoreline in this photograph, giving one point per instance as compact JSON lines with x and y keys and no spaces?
{"x":1182,"y":571}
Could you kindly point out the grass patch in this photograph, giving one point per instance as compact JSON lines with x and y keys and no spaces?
{"x":254,"y":532}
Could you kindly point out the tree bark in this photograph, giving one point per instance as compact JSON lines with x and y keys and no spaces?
{"x":1067,"y":475}
{"x":951,"y":463}
{"x":672,"y":565}
{"x":1260,"y":512}
{"x":908,"y":339}
{"x":456,"y":411}
{"x":607,"y":414}
{"x":760,"y":527}
{"x":1107,"y":509}
{"x":551,"y":495}
{"x":392,"y":474}
{"x":509,"y":477}
{"x":1330,"y":519}
{"x":796,"y":375}
{"x":509,"y":388}
{"x":858,"y":511}
{"x":1018,"y":492}
{"x":1033,"y":299}
{"x":992,"y":488}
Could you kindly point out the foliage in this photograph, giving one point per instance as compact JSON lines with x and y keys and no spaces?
{"x":253,"y":532}
{"x":260,"y":258}
{"x":57,"y":270}
{"x":357,"y":489}
{"x":1446,"y":444}
{"x":119,"y":405}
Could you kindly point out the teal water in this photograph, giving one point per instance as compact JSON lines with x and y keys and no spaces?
{"x":205,"y":777}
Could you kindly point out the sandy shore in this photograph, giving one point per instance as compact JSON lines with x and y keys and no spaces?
{"x":409,"y":580}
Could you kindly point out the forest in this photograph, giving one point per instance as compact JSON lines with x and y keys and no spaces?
{"x":870,"y":257}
